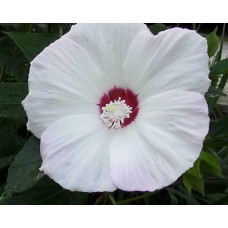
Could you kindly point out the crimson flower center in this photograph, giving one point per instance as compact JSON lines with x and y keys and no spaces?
{"x":118,"y":108}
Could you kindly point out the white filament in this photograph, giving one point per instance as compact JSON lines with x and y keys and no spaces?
{"x":114,"y":113}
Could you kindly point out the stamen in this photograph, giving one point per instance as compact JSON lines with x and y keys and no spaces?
{"x":115,"y":113}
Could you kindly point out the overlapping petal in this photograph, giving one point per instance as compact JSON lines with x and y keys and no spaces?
{"x":75,"y":153}
{"x":175,"y":59}
{"x":107,"y":45}
{"x":163,"y":143}
{"x":70,"y":75}
{"x":68,"y":80}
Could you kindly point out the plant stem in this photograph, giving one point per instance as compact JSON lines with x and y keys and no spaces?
{"x":112,"y":199}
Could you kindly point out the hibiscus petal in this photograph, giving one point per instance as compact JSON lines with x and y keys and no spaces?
{"x":165,"y":140}
{"x":62,"y":81}
{"x":69,"y":76}
{"x":107,"y":45}
{"x":175,"y":59}
{"x":75,"y":153}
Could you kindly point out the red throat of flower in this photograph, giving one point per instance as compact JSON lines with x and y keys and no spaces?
{"x":118,"y":107}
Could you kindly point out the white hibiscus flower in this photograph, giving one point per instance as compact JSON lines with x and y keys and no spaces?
{"x":117,"y":107}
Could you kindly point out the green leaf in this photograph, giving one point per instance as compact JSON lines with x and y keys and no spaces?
{"x":13,"y":93}
{"x":195,"y":170}
{"x":10,"y":125}
{"x":223,"y":81}
{"x":192,"y":179}
{"x":219,"y":53}
{"x":189,"y":200}
{"x":215,"y":196}
{"x":223,"y":200}
{"x":10,"y":144}
{"x":11,"y":96}
{"x":219,"y":68}
{"x":191,"y":182}
{"x":173,"y":199}
{"x":24,"y":171}
{"x":187,"y":183}
{"x":213,"y":43}
{"x":215,"y":142}
{"x":31,"y":44}
{"x":45,"y":192}
{"x":210,"y":164}
{"x":219,"y":127}
{"x":13,"y":111}
{"x":156,"y":28}
{"x":223,"y":154}
{"x":13,"y":63}
{"x":6,"y":161}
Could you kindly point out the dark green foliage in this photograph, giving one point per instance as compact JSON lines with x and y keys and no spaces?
{"x":31,"y":44}
{"x":13,"y":64}
{"x":156,"y":28}
{"x":11,"y":96}
{"x":219,"y":68}
{"x":213,"y":43}
{"x":24,"y":171}
{"x":10,"y":144}
{"x":44,"y":192}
